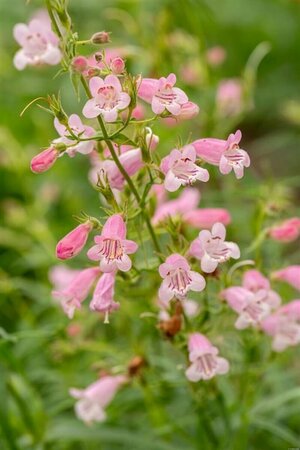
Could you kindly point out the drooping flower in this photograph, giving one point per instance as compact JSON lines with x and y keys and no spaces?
{"x":111,"y":247}
{"x":44,"y":160}
{"x":103,"y":297}
{"x":93,"y":400}
{"x":206,"y":217}
{"x":290,"y":274}
{"x":76,"y":292}
{"x":211,"y":248}
{"x":162,"y":94}
{"x":225,"y":154}
{"x":180,"y":168}
{"x":284,"y":326}
{"x":229,"y":97}
{"x":252,"y":307}
{"x":179,"y":279}
{"x":39,"y":45}
{"x":132,"y":162}
{"x":72,"y":244}
{"x":287,"y":231}
{"x":78,"y":129}
{"x":205,"y":362}
{"x":188,"y":200}
{"x":108,"y":98}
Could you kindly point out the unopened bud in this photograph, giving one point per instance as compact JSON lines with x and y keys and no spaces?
{"x":102,"y":37}
{"x":44,"y":160}
{"x":79,"y":64}
{"x":117,"y":65}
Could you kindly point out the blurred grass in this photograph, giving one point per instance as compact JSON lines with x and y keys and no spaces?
{"x":39,"y":361}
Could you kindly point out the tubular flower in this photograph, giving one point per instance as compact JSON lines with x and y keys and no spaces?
{"x":111,"y":247}
{"x":76,"y":292}
{"x":284,"y":326}
{"x":206,"y":217}
{"x":162,"y":94}
{"x":93,"y":400}
{"x":179,"y":279}
{"x":102,"y":300}
{"x":72,"y":244}
{"x":108,"y":98}
{"x":132,"y":162}
{"x":180,"y":168}
{"x":205,"y":362}
{"x":79,"y":130}
{"x":44,"y":160}
{"x":39,"y":45}
{"x":287,"y":231}
{"x":212,"y":249}
{"x":188,"y":200}
{"x":290,"y":275}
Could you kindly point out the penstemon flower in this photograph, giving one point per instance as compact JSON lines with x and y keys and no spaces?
{"x":108,"y":98}
{"x":287,"y":231}
{"x":44,"y":160}
{"x":162,"y":94}
{"x":72,"y":244}
{"x":112,"y":248}
{"x":132,"y":162}
{"x":179,"y":279}
{"x":102,"y":300}
{"x":92,"y":401}
{"x":188,"y":199}
{"x":78,"y":129}
{"x":76,"y":292}
{"x":212,"y":249}
{"x":290,"y":275}
{"x":205,"y":362}
{"x":39,"y":44}
{"x":180,"y":169}
{"x":284,"y":326}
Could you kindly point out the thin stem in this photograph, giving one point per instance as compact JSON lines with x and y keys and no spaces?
{"x":54,"y":23}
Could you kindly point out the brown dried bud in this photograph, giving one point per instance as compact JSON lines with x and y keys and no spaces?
{"x":135,"y":366}
{"x":102,"y":37}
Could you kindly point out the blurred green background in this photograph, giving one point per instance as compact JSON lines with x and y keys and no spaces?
{"x":39,"y":360}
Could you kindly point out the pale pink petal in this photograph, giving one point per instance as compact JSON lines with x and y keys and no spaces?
{"x":130,"y":246}
{"x":110,"y":115}
{"x":124,"y":263}
{"x":95,"y":84}
{"x":20,"y":60}
{"x":52,"y":56}
{"x":20,"y":32}
{"x":165,"y":294}
{"x":208,"y":264}
{"x":198,"y":282}
{"x":219,"y":230}
{"x":157,"y":106}
{"x":192,"y":373}
{"x":114,"y":227}
{"x":223,"y":366}
{"x":235,"y":251}
{"x":112,"y":80}
{"x":239,"y":171}
{"x":196,"y":249}
{"x":171,"y":182}
{"x":90,"y":110}
{"x":173,"y":108}
{"x":93,"y":253}
{"x":224,"y":166}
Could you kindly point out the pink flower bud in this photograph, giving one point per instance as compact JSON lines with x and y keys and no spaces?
{"x":72,"y":244}
{"x":290,"y":274}
{"x":102,"y":37}
{"x":44,"y":160}
{"x":216,"y":55}
{"x":80,"y":64}
{"x":287,"y":231}
{"x":206,"y":217}
{"x":117,"y":66}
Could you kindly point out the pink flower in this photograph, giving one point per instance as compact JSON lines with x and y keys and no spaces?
{"x":111,"y":247}
{"x":284,"y":326}
{"x":72,"y":244}
{"x":254,"y":281}
{"x":60,"y":276}
{"x":205,"y":362}
{"x":229,"y":97}
{"x":138,"y":113}
{"x":162,"y":94}
{"x":206,"y":217}
{"x":93,"y":400}
{"x":188,"y":111}
{"x":252,"y":307}
{"x":79,"y":130}
{"x":132,"y":162}
{"x":188,"y":200}
{"x":212,"y":249}
{"x":44,"y":160}
{"x":216,"y":55}
{"x":39,"y":45}
{"x":103,"y":296}
{"x":79,"y":64}
{"x":180,"y":168}
{"x":287,"y":231}
{"x":226,"y":154}
{"x":290,"y":274}
{"x":108,"y":98}
{"x":152,"y":140}
{"x":76,"y":292}
{"x":179,"y":279}
{"x":117,"y":65}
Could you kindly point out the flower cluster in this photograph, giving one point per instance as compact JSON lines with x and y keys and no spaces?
{"x":128,"y":170}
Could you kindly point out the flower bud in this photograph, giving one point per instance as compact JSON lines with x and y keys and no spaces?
{"x":44,"y":160}
{"x":102,"y":37}
{"x":79,"y":64}
{"x":72,"y":244}
{"x":117,"y":65}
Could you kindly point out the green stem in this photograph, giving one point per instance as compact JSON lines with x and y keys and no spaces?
{"x":53,"y":20}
